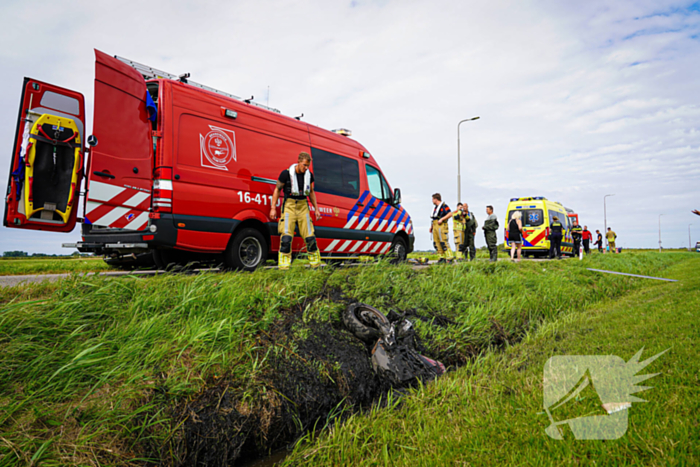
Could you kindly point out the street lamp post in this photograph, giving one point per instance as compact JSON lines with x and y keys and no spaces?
{"x":690,"y":248}
{"x":660,"y":232}
{"x":459,"y":170}
{"x":605,"y":216}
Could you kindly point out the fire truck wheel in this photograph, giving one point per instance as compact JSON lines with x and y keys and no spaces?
{"x":398,"y":250}
{"x":246,"y":251}
{"x":164,"y":259}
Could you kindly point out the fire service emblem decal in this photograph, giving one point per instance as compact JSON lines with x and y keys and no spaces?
{"x":217,"y":148}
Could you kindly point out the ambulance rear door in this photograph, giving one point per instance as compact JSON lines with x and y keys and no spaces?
{"x":121,"y":160}
{"x":46,"y":168}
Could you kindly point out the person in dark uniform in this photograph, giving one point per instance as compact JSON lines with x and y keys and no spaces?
{"x":556,"y":233}
{"x":576,"y":233}
{"x":586,"y":238}
{"x":490,"y":228}
{"x":599,"y":241}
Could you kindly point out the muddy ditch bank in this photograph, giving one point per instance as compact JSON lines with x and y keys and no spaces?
{"x":316,"y":374}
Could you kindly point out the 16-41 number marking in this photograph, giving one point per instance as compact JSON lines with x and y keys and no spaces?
{"x":247,"y":197}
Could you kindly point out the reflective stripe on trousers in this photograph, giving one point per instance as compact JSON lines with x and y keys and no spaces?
{"x":296,"y":212}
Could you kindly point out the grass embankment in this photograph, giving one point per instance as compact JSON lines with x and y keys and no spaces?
{"x":112,"y":371}
{"x":490,"y":412}
{"x":22,"y":266}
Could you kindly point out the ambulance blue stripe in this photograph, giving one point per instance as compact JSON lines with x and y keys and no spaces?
{"x":356,"y":207}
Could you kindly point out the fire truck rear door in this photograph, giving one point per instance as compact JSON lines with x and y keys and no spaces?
{"x":121,"y":163}
{"x":46,"y":167}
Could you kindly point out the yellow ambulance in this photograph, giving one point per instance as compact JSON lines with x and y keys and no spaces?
{"x":537,"y":214}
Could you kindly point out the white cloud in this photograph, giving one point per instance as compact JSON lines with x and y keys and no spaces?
{"x":576,"y":101}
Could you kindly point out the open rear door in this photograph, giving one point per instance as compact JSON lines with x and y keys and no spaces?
{"x":47,"y":159}
{"x":121,"y":162}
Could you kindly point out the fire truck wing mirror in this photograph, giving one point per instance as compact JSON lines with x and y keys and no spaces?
{"x":92,"y":140}
{"x":397,"y":196}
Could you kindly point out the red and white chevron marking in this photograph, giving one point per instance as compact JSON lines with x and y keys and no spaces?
{"x":117,"y":207}
{"x":357,"y":247}
{"x":379,"y":226}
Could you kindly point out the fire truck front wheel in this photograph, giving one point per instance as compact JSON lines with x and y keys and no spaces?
{"x":398,"y":252}
{"x":246,"y":251}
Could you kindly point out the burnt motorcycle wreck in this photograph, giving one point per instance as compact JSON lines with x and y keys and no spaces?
{"x":392,"y":344}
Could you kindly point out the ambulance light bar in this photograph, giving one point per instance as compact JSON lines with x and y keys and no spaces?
{"x":531,"y":198}
{"x":152,"y":73}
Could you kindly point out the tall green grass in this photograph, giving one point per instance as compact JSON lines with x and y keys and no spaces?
{"x":89,"y":366}
{"x":490,"y":411}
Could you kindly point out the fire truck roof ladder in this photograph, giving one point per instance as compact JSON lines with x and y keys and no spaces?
{"x":152,"y":73}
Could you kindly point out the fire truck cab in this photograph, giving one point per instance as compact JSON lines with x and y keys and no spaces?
{"x":179,"y":170}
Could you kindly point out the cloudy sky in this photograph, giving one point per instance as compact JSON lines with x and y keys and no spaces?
{"x":577,"y":99}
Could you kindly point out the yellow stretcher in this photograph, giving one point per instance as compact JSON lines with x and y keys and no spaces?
{"x":53,"y":161}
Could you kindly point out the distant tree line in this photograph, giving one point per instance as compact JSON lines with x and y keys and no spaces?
{"x":24,"y":254}
{"x":15,"y":254}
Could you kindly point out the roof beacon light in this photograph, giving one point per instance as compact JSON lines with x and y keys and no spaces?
{"x":342,"y":131}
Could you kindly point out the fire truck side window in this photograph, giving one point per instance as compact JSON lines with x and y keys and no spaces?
{"x":335,"y":174}
{"x":374,"y":182}
{"x":378,"y":186}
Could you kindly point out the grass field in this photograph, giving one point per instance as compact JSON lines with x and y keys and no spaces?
{"x":30,"y":265}
{"x":215,"y":367}
{"x":490,"y":411}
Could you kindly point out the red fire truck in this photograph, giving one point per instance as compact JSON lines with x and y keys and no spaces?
{"x":180,"y":170}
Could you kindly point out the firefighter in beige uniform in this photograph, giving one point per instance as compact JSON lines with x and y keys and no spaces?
{"x":441,"y":229}
{"x":459,"y":226}
{"x":297,"y":183}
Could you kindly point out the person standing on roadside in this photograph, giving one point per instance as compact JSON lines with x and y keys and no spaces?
{"x":599,"y":240}
{"x":470,"y":233}
{"x":611,"y":236}
{"x":587,"y":237}
{"x":557,"y":231}
{"x":297,"y":184}
{"x":515,"y":236}
{"x":490,"y":228}
{"x":459,"y":224}
{"x":576,"y":234}
{"x":440,"y":228}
